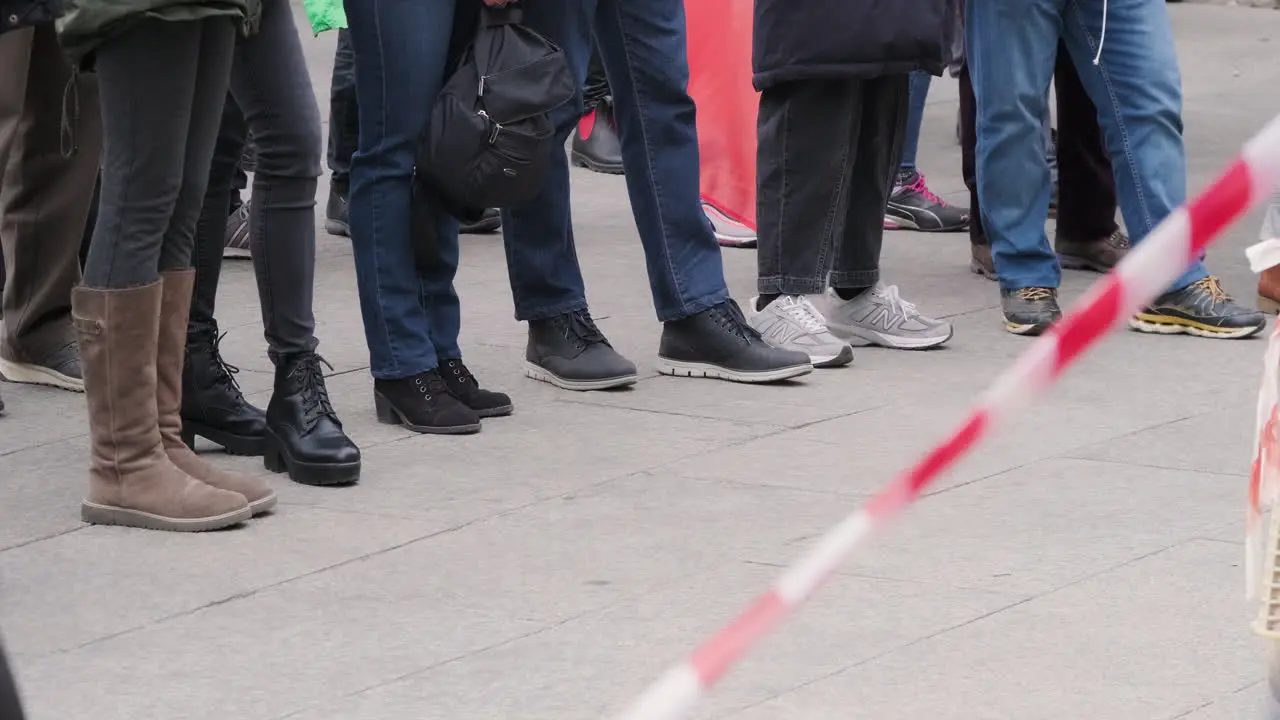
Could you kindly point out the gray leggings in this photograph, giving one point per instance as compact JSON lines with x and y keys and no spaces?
{"x":162,"y":85}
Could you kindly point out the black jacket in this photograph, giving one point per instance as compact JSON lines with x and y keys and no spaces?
{"x":16,"y":14}
{"x":813,"y":39}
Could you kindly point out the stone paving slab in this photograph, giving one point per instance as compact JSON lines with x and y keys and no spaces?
{"x":1084,"y":563}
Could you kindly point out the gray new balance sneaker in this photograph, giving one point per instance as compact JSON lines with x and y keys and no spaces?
{"x":792,"y":322}
{"x":879,"y":316}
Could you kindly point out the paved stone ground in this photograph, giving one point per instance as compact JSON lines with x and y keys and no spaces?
{"x":1085,"y":564}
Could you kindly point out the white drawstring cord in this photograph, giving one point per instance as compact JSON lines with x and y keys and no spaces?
{"x":1097,"y":59}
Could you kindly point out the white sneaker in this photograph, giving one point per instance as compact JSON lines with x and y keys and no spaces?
{"x":792,"y":323}
{"x":729,"y":232}
{"x":880,"y":316}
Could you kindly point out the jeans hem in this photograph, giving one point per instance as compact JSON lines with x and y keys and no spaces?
{"x":787,"y":285}
{"x":854,"y":278}
{"x":526,"y":315}
{"x":400,"y":374}
{"x":689,"y":309}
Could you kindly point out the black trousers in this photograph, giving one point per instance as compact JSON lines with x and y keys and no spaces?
{"x":827,"y":154}
{"x":596,"y":87}
{"x":1087,"y":187}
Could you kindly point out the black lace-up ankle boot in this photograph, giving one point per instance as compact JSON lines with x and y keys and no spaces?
{"x":422,"y":403}
{"x":304,"y":435}
{"x":570,"y":352}
{"x":213,"y":407}
{"x":464,"y":386}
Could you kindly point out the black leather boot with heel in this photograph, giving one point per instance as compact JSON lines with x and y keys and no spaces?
{"x":304,"y":436}
{"x":213,"y":406}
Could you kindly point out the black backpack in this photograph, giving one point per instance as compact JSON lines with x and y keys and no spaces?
{"x":490,"y":140}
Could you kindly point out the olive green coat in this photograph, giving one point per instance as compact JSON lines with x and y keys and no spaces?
{"x":89,"y":23}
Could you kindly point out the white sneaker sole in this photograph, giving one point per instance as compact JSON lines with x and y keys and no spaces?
{"x":539,"y":373}
{"x":1174,"y":328}
{"x":680,"y":368}
{"x":25,"y":374}
{"x":862,"y":337}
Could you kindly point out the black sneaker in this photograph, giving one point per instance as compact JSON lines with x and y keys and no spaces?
{"x":304,"y":435}
{"x":336,"y":220}
{"x":213,"y":406}
{"x":422,"y":403}
{"x":464,"y":386}
{"x":719,"y":343}
{"x":489,"y":222}
{"x":913,"y":206}
{"x":1030,"y":311}
{"x":1202,"y":308}
{"x":570,"y":352}
{"x":596,"y":145}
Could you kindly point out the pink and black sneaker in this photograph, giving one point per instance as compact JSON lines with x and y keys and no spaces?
{"x":913,"y":206}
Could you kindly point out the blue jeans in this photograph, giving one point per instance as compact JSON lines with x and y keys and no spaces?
{"x":1137,"y":89}
{"x":918,"y":94}
{"x":643,"y":49}
{"x":411,"y":318}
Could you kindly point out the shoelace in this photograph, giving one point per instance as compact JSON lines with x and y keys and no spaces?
{"x":921,"y":188}
{"x":1213,"y":287}
{"x":1119,"y":239}
{"x":315,"y":396}
{"x":729,"y":316}
{"x":803,"y":313}
{"x":1035,"y":294}
{"x":224,"y":373}
{"x":461,"y":372}
{"x":579,"y":329}
{"x":894,"y":300}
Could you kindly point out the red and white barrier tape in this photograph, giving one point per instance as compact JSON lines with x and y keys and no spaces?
{"x":1149,"y":268}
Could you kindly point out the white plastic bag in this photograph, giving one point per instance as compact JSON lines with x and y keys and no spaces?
{"x":1264,"y":474}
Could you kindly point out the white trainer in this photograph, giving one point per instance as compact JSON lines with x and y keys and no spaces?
{"x":792,"y":322}
{"x":881,"y":317}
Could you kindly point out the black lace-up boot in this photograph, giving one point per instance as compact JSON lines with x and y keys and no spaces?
{"x":464,"y":386}
{"x":422,"y":403}
{"x":570,"y":352}
{"x":213,"y":407}
{"x":718,"y":343}
{"x":304,"y":435}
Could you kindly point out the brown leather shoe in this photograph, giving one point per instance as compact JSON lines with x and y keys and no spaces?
{"x":982,"y":264}
{"x":1269,"y":290}
{"x":175,"y":306}
{"x":131,"y":480}
{"x":1098,"y":254}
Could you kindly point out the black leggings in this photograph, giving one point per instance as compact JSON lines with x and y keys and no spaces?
{"x":162,"y":86}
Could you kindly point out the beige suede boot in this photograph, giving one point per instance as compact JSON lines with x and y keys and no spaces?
{"x":175,"y":305}
{"x":131,"y":480}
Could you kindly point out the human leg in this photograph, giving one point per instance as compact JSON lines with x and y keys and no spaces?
{"x":1137,"y":90}
{"x":344,"y":134}
{"x":803,"y":162}
{"x":1087,"y":236}
{"x":401,"y":53}
{"x":1011,"y":48}
{"x":44,"y":201}
{"x":920,"y":81}
{"x":980,"y":262}
{"x":155,"y":132}
{"x":270,"y":82}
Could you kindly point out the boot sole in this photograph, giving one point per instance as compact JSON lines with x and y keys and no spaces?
{"x":491,"y":225}
{"x":580,"y":160}
{"x":241,"y":445}
{"x":277,"y":460}
{"x":24,"y":374}
{"x":537,"y":372}
{"x":96,"y":514}
{"x":681,"y":368}
{"x":389,"y":415}
{"x":503,"y":411}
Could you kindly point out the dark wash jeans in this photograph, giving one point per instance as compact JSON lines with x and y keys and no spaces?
{"x":827,"y":157}
{"x":643,"y":47}
{"x":411,"y":317}
{"x":344,"y":113}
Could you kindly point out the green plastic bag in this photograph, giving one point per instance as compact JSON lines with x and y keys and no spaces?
{"x":325,"y":15}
